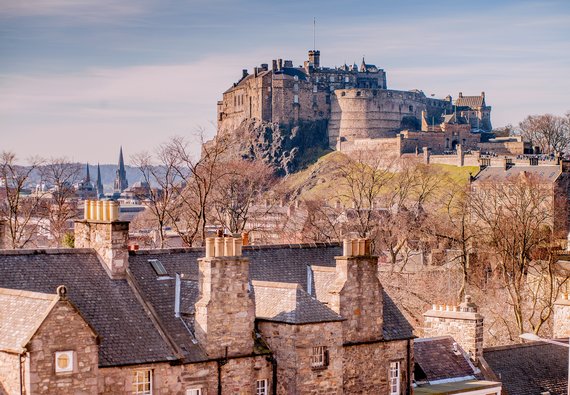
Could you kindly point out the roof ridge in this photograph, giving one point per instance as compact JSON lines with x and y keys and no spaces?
{"x":165,"y":251}
{"x":28,"y":294}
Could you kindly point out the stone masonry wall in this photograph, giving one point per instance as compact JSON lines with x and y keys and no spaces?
{"x":356,"y":295}
{"x":238,"y":376}
{"x":225,"y":312}
{"x":561,"y":325}
{"x":366,"y":367}
{"x":63,"y":330}
{"x":465,"y":327}
{"x":9,"y":374}
{"x":293,"y":346}
{"x":109,"y":239}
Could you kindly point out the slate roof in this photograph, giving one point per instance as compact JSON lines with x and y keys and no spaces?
{"x":546,"y":173}
{"x":109,"y":306}
{"x":275,"y":263}
{"x":292,"y":71}
{"x":289,"y":303}
{"x":531,"y":368}
{"x":438,"y":361}
{"x":470,"y":101}
{"x":21,"y":314}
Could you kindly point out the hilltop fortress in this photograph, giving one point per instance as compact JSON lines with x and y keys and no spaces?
{"x":345,"y":108}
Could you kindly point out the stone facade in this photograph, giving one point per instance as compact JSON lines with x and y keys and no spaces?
{"x":63,"y":330}
{"x":225,"y":312}
{"x":462,"y":322}
{"x":10,"y":368}
{"x":561,"y":324}
{"x":109,"y":239}
{"x":293,"y":347}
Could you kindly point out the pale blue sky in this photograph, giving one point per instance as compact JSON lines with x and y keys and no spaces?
{"x":81,"y":77}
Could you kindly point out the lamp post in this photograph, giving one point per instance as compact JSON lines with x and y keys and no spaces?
{"x":533,"y":337}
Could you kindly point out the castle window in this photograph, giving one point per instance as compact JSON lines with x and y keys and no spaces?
{"x":235,"y":101}
{"x":296,"y":87}
{"x":296,"y":99}
{"x":315,"y":88}
{"x":411,"y":108}
{"x":296,"y":78}
{"x":331,"y":88}
{"x":319,"y":357}
{"x":261,"y":387}
{"x":331,"y":78}
{"x":346,"y":79}
{"x":358,"y":93}
{"x":142,"y":382}
{"x":194,"y":391}
{"x":343,"y":93}
{"x":394,"y":378}
{"x":64,"y":361}
{"x":317,"y":79}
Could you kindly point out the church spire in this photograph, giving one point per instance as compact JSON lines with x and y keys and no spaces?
{"x":121,"y":182}
{"x":87,"y":176}
{"x":99,"y":183}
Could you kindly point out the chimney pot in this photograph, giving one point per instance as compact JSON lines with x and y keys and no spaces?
{"x":210,"y":247}
{"x":228,"y":246}
{"x":219,"y":246}
{"x":347,"y":247}
{"x":245,"y":238}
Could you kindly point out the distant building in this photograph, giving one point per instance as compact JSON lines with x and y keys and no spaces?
{"x":121,"y":182}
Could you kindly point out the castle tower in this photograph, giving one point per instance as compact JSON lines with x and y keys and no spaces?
{"x":121,"y":182}
{"x":462,"y":322}
{"x":356,"y":294}
{"x":101,"y":230}
{"x":225,"y":311}
{"x":315,"y":58}
{"x":99,"y":183}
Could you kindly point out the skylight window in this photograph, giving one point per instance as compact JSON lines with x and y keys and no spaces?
{"x":158,"y":267}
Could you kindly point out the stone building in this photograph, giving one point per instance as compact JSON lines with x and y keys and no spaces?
{"x":352,"y":104}
{"x":225,"y":319}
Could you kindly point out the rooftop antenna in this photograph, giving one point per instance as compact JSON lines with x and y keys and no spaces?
{"x":314,"y":33}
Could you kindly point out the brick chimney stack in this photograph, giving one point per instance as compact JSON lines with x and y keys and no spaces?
{"x":356,"y":293}
{"x":561,"y":325}
{"x":101,"y":230}
{"x":462,"y":322}
{"x":225,"y":311}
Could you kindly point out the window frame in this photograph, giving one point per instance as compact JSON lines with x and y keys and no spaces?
{"x":263,"y":390}
{"x":136,"y":382}
{"x":397,"y":378}
{"x":319,"y":357}
{"x":71,"y":366}
{"x":194,"y":391}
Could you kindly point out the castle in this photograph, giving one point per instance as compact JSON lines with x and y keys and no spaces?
{"x":356,"y":105}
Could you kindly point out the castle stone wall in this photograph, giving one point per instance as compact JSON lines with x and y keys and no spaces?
{"x":293,"y":345}
{"x":9,"y":373}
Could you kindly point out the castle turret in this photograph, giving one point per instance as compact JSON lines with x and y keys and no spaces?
{"x":315,"y":58}
{"x":225,"y":311}
{"x":356,"y":294}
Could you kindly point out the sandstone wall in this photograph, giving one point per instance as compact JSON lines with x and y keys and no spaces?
{"x":503,"y":148}
{"x":465,"y":327}
{"x":238,"y":376}
{"x":63,"y":330}
{"x":366,"y":367}
{"x":561,"y":324}
{"x":109,"y":239}
{"x":9,"y":374}
{"x":225,"y":312}
{"x":293,"y":345}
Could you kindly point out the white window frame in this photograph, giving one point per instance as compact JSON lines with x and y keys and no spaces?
{"x":71,"y":358}
{"x":296,"y":99}
{"x":144,"y":382}
{"x":318,"y":357}
{"x":261,"y":387}
{"x":394,"y":374}
{"x":194,"y":391}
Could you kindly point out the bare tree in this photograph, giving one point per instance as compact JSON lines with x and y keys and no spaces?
{"x":198,"y":181}
{"x":551,"y":133}
{"x":161,"y":185}
{"x":517,"y":218}
{"x":20,"y":212}
{"x":61,"y":175}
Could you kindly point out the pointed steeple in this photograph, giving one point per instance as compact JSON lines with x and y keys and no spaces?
{"x":87,"y":176}
{"x":121,"y":182}
{"x":363,"y":66}
{"x":99,"y":186}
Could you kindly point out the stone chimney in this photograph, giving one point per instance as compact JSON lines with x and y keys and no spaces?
{"x":356,"y":293}
{"x":462,"y":322}
{"x":101,"y":230}
{"x":561,"y":324}
{"x":225,"y":311}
